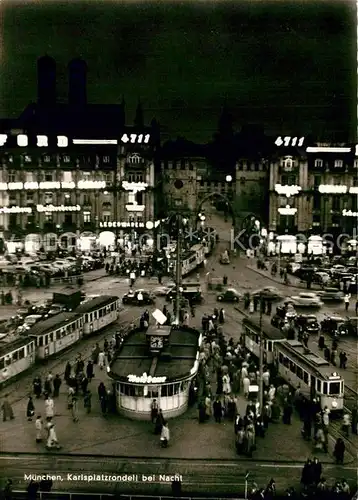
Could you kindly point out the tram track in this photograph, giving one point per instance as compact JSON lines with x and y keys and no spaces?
{"x":20,"y":388}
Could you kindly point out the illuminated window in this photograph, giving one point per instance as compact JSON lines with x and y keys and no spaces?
{"x":86,"y":217}
{"x":48,"y":216}
{"x":29,"y":197}
{"x":106,"y":159}
{"x":338,"y":163}
{"x":48,"y":177}
{"x":66,"y":159}
{"x":27,"y":159}
{"x":48,"y":198}
{"x":318,"y":163}
{"x":67,"y":177}
{"x":11,"y":177}
{"x":47,"y":159}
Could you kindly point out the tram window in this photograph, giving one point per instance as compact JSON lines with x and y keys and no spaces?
{"x":2,"y":363}
{"x":58,"y":335}
{"x":299,"y":372}
{"x":286,"y":362}
{"x":8,"y":360}
{"x":324,"y":388}
{"x":269,"y":346}
{"x":265,"y":345}
{"x":46,"y":339}
{"x":280,"y":357}
{"x":319,"y":385}
{"x":334,"y":388}
{"x":292,"y":367}
{"x":51,"y":337}
{"x":22,"y":353}
{"x":62,"y":332}
{"x":305,"y":377}
{"x":100,"y":313}
{"x":139,"y":391}
{"x":15,"y":355}
{"x":41,"y":341}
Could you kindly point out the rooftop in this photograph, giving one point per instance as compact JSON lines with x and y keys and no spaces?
{"x":53,"y":323}
{"x":269,"y":331}
{"x":95,"y":302}
{"x":174,"y":363}
{"x":9,"y":346}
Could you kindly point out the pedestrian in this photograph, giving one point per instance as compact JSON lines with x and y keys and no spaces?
{"x":347,"y":299}
{"x":56,"y":385}
{"x":154,"y":410}
{"x":7,"y":492}
{"x":68,"y":371}
{"x":222,"y":316}
{"x":104,"y":403}
{"x":87,"y":401}
{"x":251,"y":307}
{"x":7,"y":412}
{"x":89,"y":370}
{"x":52,"y":441}
{"x":30,"y":411}
{"x":101,"y":360}
{"x":48,"y":384}
{"x":49,"y":407}
{"x":346,"y":424}
{"x":32,"y":490}
{"x":339,"y":450}
{"x":38,"y":427}
{"x":164,"y":436}
{"x":246,"y":385}
{"x":217,"y":410}
{"x":84,"y":384}
{"x":37,"y":385}
{"x":74,"y":409}
{"x":159,"y":422}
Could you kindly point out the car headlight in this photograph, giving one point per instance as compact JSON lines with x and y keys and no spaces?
{"x":334,"y":404}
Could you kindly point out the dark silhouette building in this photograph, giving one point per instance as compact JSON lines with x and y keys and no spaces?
{"x":77,"y":83}
{"x":46,"y":81}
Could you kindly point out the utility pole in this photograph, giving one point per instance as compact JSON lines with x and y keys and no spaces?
{"x":261,"y":359}
{"x":178,"y":278}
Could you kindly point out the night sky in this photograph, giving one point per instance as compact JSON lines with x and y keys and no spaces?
{"x":288,"y":65}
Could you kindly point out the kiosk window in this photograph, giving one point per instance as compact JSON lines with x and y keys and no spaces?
{"x":139,"y":391}
{"x":164,"y":391}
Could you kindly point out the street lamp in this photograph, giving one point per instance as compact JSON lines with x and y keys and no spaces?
{"x":228,"y":178}
{"x":261,"y":357}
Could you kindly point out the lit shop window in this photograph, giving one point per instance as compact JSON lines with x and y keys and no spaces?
{"x":338,"y":163}
{"x":86,"y":217}
{"x":11,"y":177}
{"x":46,"y":159}
{"x":66,"y":159}
{"x":67,"y":177}
{"x":106,"y":159}
{"x":48,"y":216}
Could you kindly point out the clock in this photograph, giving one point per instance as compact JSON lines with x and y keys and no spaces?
{"x":156,"y":342}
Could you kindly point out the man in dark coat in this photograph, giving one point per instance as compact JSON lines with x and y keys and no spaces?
{"x":89,"y":370}
{"x":217,"y":407}
{"x":56,"y":386}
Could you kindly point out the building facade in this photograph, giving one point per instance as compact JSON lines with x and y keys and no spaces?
{"x":87,"y":189}
{"x":314,"y":190}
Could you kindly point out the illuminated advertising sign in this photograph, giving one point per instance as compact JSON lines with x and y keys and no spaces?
{"x":135,"y":138}
{"x":329,"y":189}
{"x":15,"y":210}
{"x":289,"y":141}
{"x":11,"y":186}
{"x":22,"y":140}
{"x":349,"y":213}
{"x":119,"y":224}
{"x":146,"y":379}
{"x":287,"y":190}
{"x":287,"y":210}
{"x":59,"y":208}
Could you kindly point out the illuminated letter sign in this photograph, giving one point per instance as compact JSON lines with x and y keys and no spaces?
{"x":42,"y":141}
{"x":62,"y":141}
{"x":3,"y":139}
{"x":22,"y":140}
{"x":289,"y":141}
{"x":135,"y":138}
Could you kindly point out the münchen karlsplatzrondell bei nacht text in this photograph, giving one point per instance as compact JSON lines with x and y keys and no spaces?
{"x":123,"y":478}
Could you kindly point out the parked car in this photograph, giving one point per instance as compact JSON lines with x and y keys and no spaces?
{"x":334,"y":325}
{"x":33,"y":319}
{"x":306,"y":300}
{"x":352,"y":324}
{"x":229,"y":295}
{"x":321,"y":278}
{"x":307,"y":323}
{"x":331,"y":294}
{"x":131,"y":298}
{"x":190,"y":291}
{"x":224,"y":258}
{"x":162,"y":291}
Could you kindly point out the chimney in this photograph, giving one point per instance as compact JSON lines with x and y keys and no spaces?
{"x":46,"y":81}
{"x":77,"y":83}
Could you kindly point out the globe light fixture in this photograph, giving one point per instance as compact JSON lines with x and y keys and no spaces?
{"x":228,"y":178}
{"x":149,"y":224}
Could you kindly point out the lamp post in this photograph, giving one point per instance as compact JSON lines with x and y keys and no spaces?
{"x":178,"y":271}
{"x":261,"y":358}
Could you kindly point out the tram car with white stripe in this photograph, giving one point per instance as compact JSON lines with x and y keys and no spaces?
{"x":300,"y":367}
{"x":56,"y":333}
{"x":271,"y":336}
{"x":16,"y":356}
{"x":99,"y":312}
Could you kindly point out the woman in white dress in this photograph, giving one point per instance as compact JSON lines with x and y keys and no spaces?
{"x":49,"y":407}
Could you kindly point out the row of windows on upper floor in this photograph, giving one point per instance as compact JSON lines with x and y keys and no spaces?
{"x":335,"y":203}
{"x":315,"y":180}
{"x":14,"y":176}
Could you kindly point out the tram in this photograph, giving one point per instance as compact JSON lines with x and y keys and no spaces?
{"x":297,"y":365}
{"x":314,"y":375}
{"x":271,"y":336}
{"x":56,"y":333}
{"x":98,"y":312}
{"x":16,"y":356}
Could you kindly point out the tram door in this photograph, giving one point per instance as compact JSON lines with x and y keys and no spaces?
{"x":313,"y":387}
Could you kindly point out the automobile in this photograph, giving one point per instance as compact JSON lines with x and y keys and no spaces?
{"x":334,"y":325}
{"x":224,"y":258}
{"x":56,"y":309}
{"x":285,"y":313}
{"x":192,"y":292}
{"x":321,"y":278}
{"x":229,"y":295}
{"x":306,"y":300}
{"x":47,"y":268}
{"x":293,"y":267}
{"x":131,"y":298}
{"x":32,"y":319}
{"x":307,"y":323}
{"x":269,"y":293}
{"x":305,"y":271}
{"x":352,"y":324}
{"x":352,"y":270}
{"x":338,"y":268}
{"x":162,"y":291}
{"x":331,"y":294}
